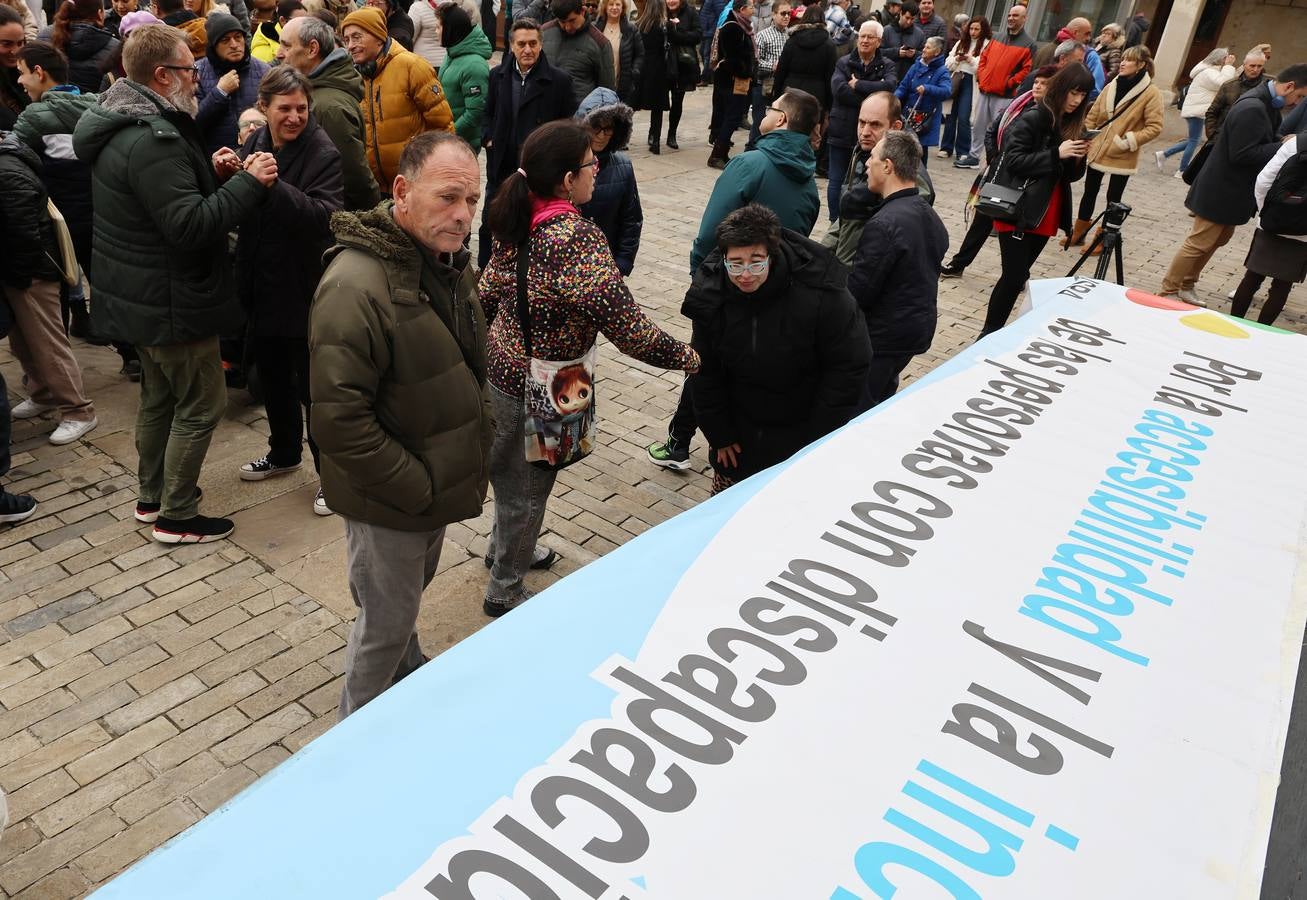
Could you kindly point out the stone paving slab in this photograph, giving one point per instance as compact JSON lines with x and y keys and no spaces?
{"x":142,"y":686}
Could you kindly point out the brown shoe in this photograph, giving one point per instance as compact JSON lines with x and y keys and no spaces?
{"x":1097,"y":247}
{"x":1077,"y":235}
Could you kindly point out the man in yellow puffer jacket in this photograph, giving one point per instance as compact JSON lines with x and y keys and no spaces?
{"x":402,"y":97}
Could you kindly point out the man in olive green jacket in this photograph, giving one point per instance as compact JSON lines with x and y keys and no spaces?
{"x":163,"y":283}
{"x":400,"y":408}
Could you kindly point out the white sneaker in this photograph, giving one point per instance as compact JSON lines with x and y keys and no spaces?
{"x":1160,"y":156}
{"x":1232,"y":293}
{"x":943,"y":154}
{"x":1179,"y":175}
{"x":320,"y":507}
{"x":30,"y":409}
{"x":70,"y":430}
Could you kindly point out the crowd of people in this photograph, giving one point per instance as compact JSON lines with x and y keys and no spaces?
{"x":288,"y":190}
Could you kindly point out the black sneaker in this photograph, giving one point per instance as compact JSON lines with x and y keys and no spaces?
{"x":262,"y":468}
{"x":952,"y":270}
{"x":967,"y":161}
{"x":15,"y":507}
{"x":195,"y":530}
{"x":542,"y":561}
{"x":149,"y":512}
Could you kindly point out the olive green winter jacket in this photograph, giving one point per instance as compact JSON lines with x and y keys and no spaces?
{"x":397,"y":371}
{"x":159,"y":249}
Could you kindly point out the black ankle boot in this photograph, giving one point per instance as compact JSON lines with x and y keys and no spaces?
{"x":671,"y":140}
{"x":653,"y":145}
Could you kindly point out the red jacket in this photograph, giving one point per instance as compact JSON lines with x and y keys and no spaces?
{"x":1004,"y":64}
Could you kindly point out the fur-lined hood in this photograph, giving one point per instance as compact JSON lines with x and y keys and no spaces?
{"x":376,"y":233}
{"x":123,"y":105}
{"x":602,"y":105}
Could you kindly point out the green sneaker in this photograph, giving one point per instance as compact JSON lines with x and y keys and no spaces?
{"x":669,"y":456}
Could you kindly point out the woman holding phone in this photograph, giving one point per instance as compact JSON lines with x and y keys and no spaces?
{"x":1127,"y":115}
{"x":1040,"y":154}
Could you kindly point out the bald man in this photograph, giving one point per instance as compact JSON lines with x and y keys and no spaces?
{"x":1004,"y":64}
{"x":1081,"y":31}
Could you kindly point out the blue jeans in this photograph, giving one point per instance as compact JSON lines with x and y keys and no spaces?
{"x":837,"y":168}
{"x":1190,"y":144}
{"x":957,"y":125}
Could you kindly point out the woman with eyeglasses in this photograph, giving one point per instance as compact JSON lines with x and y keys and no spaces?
{"x":615,"y":204}
{"x":784,"y":347}
{"x":572,"y":291}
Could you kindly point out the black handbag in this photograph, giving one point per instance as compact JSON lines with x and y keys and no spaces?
{"x":998,"y":201}
{"x":1196,"y":163}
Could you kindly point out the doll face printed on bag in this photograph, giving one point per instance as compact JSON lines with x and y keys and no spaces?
{"x":572,"y":390}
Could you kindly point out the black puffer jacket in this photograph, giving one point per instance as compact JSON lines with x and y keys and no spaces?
{"x":26,"y":232}
{"x":895,"y":277}
{"x":91,"y":52}
{"x":878,"y":75}
{"x":279,"y":253}
{"x":1028,"y":157}
{"x":781,"y":367}
{"x":807,"y":63}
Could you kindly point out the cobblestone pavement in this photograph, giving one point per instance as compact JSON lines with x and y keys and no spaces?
{"x":141,"y":687}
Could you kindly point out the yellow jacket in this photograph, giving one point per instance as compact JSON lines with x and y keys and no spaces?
{"x":401,"y":100}
{"x":263,"y":45}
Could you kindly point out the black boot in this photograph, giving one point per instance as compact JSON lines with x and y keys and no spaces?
{"x":653,"y":144}
{"x":671,"y":139}
{"x":720,"y":155}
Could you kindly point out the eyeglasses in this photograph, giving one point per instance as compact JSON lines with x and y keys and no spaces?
{"x":753,"y":268}
{"x":603,"y":129}
{"x":592,"y":165}
{"x":193,"y":69}
{"x":776,"y":109}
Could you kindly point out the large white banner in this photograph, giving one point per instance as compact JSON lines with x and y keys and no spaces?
{"x":1029,"y":630}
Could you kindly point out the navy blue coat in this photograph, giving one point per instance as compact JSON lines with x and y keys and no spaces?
{"x":878,"y":75}
{"x":895,"y":277}
{"x":615,"y":208}
{"x":547,"y":95}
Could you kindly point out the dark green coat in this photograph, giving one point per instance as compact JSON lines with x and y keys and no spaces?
{"x":397,"y":371}
{"x":159,"y":248}
{"x":337,"y":90}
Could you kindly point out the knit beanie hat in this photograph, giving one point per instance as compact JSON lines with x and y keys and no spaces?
{"x":455,"y":25}
{"x":218,"y":26}
{"x":370,"y":20}
{"x":136,"y":20}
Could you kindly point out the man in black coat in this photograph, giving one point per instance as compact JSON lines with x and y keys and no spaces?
{"x":895,"y":277}
{"x":784,"y":349}
{"x":525,"y":92}
{"x":863,"y":72}
{"x":1221,"y":197}
{"x":904,"y":40}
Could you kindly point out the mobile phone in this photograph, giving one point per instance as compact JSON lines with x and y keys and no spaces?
{"x":1091,"y":133}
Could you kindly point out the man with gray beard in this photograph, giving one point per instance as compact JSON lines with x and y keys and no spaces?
{"x":163,"y":282}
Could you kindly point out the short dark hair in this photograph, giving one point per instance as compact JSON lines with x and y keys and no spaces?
{"x":1296,"y":73}
{"x":812,"y":15}
{"x":802,"y":110}
{"x":523,"y":24}
{"x":48,"y":57}
{"x":903,"y":151}
{"x":326,"y":15}
{"x":286,"y":7}
{"x":167,"y":7}
{"x":1045,"y":72}
{"x":748,"y":225}
{"x":909,"y":8}
{"x":281,"y":80}
{"x":564,"y":8}
{"x":418,"y":150}
{"x":737,"y":5}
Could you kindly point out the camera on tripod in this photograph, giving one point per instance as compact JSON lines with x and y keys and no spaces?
{"x":1115,"y":215}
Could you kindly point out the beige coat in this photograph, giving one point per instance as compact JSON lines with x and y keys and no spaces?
{"x":1116,"y":149}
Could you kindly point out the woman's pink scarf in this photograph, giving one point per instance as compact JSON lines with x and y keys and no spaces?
{"x":544,"y":208}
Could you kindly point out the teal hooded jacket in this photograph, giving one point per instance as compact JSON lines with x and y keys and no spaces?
{"x":778,"y":174}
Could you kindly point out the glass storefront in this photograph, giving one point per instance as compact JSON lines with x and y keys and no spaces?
{"x":1047,"y":16}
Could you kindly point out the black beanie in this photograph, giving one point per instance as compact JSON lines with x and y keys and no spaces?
{"x":455,"y":25}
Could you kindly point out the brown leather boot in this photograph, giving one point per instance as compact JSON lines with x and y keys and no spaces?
{"x":1097,"y":248}
{"x":1077,"y":236}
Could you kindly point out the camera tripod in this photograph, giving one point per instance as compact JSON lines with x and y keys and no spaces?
{"x":1110,"y":240}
